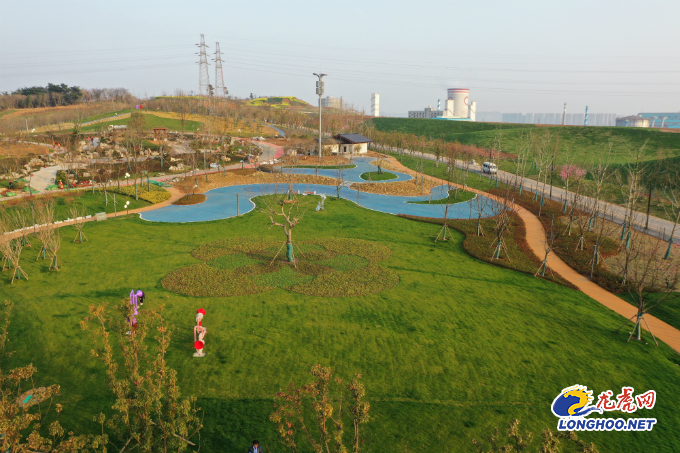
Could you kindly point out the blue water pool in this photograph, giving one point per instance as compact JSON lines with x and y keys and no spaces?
{"x":350,"y":174}
{"x":221,"y":203}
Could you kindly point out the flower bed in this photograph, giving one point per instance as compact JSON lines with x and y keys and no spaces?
{"x":401,"y":188}
{"x":327,"y":267}
{"x":153,"y":195}
{"x":190,"y":199}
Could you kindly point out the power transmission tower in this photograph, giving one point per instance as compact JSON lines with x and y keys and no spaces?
{"x":220,"y":89}
{"x":203,"y":79}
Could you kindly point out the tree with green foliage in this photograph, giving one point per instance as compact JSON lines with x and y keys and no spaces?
{"x":331,"y":405}
{"x":150,"y":414}
{"x":514,"y":441}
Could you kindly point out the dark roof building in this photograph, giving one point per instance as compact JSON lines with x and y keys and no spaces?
{"x":353,"y":138}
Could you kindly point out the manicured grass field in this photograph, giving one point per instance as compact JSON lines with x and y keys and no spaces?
{"x":151,"y":122}
{"x":107,"y":115}
{"x":583,"y":143}
{"x":456,"y":348}
{"x":376,"y":176}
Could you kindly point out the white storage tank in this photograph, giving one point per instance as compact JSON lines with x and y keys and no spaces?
{"x":461,"y":101}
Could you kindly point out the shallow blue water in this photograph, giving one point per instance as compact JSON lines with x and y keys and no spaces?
{"x":351,"y":174}
{"x":221,"y":203}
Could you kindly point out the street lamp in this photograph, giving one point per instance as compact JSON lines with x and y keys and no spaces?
{"x":320,"y":91}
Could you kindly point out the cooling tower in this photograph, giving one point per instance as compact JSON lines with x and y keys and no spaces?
{"x":460,"y":101}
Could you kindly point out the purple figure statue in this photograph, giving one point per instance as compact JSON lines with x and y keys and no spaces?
{"x":134,"y":303}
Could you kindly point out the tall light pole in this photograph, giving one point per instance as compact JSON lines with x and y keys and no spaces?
{"x":320,"y":91}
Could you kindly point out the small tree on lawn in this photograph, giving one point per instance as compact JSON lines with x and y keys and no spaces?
{"x":54,"y":244}
{"x":650,"y":279}
{"x":330,"y":405}
{"x":44,"y":214}
{"x":21,"y":410}
{"x":501,"y":208}
{"x":78,"y":213}
{"x":11,"y":248}
{"x":284,"y":210}
{"x":514,"y":441}
{"x":151,"y":416}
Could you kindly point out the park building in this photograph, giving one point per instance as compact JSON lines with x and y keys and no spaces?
{"x":632,"y":121}
{"x":329,"y":102}
{"x":346,"y":144}
{"x":663,"y":120}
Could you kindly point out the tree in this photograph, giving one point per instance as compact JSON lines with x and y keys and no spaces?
{"x":514,"y":441}
{"x":10,"y":247}
{"x":44,"y":212}
{"x":78,"y":213}
{"x":284,"y":210}
{"x":501,"y":207}
{"x":325,"y":399}
{"x":151,"y":416}
{"x":649,"y":279}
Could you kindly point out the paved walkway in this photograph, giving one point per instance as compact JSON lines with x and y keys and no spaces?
{"x":536,"y":237}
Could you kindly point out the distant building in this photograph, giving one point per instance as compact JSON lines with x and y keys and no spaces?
{"x":331,"y":102}
{"x":572,"y":119}
{"x":663,"y":120}
{"x":429,"y":112}
{"x":632,"y":121}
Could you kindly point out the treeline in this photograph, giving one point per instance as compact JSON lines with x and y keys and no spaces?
{"x":54,"y":95}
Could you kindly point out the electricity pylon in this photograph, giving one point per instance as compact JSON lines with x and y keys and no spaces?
{"x":203,"y":79}
{"x":220,"y":89}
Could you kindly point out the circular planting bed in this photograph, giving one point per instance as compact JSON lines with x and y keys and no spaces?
{"x":375,"y":176}
{"x":330,"y":267}
{"x":191,"y":199}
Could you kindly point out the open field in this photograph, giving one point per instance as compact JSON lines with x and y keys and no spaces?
{"x":455,"y":349}
{"x":583,"y":143}
{"x":20,"y":149}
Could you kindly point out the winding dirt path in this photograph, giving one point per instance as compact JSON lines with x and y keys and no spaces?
{"x":535,"y":238}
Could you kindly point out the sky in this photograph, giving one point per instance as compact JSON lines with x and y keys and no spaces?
{"x":618,"y":56}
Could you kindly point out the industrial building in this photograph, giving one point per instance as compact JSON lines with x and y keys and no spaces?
{"x":330,"y":102}
{"x":457,"y":107}
{"x":375,"y":104}
{"x":571,"y":119}
{"x":632,"y":121}
{"x":663,"y":120}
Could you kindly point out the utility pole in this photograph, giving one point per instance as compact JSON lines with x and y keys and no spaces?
{"x":320,"y":91}
{"x":220,"y":89}
{"x":564,"y":114}
{"x":203,"y":79}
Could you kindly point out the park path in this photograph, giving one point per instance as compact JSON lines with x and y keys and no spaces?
{"x":536,"y":238}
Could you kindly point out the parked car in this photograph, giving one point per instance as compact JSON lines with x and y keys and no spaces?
{"x":489,"y":167}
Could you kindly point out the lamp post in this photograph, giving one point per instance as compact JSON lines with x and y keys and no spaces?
{"x":320,"y":91}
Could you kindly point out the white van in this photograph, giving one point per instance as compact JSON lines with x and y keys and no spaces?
{"x":489,"y":167}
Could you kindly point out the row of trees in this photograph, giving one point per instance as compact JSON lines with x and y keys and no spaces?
{"x":54,"y":95}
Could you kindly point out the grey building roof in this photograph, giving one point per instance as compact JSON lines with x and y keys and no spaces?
{"x":353,"y":138}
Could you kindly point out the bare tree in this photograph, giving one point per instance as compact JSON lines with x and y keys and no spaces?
{"x":77,"y":213}
{"x":11,"y":249}
{"x":284,"y":210}
{"x":502,"y":210}
{"x":650,"y":279}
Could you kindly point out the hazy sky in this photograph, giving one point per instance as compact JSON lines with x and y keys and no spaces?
{"x":615,"y":56}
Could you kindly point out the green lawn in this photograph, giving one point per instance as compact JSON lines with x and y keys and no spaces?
{"x":151,"y":122}
{"x":376,"y":176}
{"x":457,"y":348}
{"x":583,"y":143}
